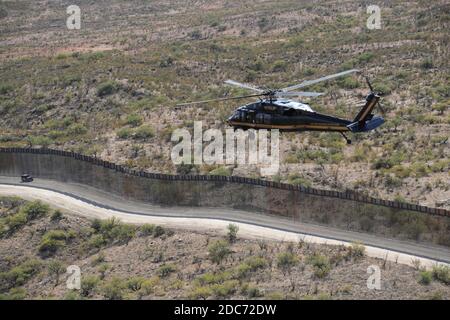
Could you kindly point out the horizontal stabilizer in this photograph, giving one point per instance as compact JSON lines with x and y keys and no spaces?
{"x":369,"y":125}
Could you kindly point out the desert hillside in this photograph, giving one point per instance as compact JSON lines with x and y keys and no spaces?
{"x":120,"y":261}
{"x":110,"y":89}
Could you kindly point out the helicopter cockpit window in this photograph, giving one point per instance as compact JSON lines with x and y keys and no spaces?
{"x":270,"y":108}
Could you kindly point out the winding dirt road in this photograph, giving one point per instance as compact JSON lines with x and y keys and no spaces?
{"x":94,"y":203}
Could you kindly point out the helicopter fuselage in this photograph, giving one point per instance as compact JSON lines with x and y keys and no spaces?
{"x":284,"y":115}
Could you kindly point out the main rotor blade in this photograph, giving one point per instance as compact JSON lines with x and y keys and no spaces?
{"x":311,"y":82}
{"x":242,"y":85}
{"x":299,"y":94}
{"x":220,"y":99}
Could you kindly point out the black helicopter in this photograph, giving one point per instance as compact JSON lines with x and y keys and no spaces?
{"x":275,"y":111}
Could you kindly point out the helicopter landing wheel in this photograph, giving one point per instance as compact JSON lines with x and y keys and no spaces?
{"x":346,"y":139}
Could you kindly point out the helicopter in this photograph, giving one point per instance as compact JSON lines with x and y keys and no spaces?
{"x":276,"y":110}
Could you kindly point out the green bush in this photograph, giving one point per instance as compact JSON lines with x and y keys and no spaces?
{"x":52,"y":241}
{"x":250,"y":265}
{"x":213,"y":278}
{"x":89,"y":284}
{"x":76,"y":129}
{"x":225,"y":289}
{"x":356,"y":250}
{"x":279,"y":66}
{"x":427,"y":64}
{"x":147,"y":286}
{"x":134,"y":120}
{"x":321,"y":265}
{"x":55,"y":268}
{"x":28,"y":212}
{"x":232,"y":232}
{"x":221,"y":171}
{"x":218,"y":250}
{"x":111,"y":231}
{"x":442,"y":274}
{"x":15,"y":294}
{"x":20,"y":274}
{"x":144,"y":132}
{"x":35,"y":209}
{"x":124,"y":133}
{"x":135,"y":283}
{"x":106,"y":88}
{"x":113,"y":289}
{"x":286,"y":261}
{"x":5,"y":88}
{"x":165,"y":270}
{"x":158,"y":231}
{"x":425,"y":277}
{"x":56,"y":215}
{"x":200,"y":293}
{"x":296,"y":179}
{"x":147,"y":229}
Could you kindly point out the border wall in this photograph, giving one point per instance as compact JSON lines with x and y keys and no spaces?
{"x":345,"y":210}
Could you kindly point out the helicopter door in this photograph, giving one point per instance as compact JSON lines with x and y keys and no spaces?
{"x":251,"y":116}
{"x":242,"y":116}
{"x":267,"y":118}
{"x":260,"y":118}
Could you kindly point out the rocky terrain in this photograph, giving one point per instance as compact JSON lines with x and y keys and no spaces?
{"x":120,"y":261}
{"x":111,"y":87}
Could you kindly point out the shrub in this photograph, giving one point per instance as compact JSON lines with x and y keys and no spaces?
{"x":427,"y":64}
{"x":144,"y":132}
{"x":77,"y":129}
{"x":96,"y":241}
{"x":134,"y":120}
{"x":226,"y":288}
{"x":52,"y":241}
{"x":106,"y":88}
{"x":442,"y":273}
{"x":5,"y":88}
{"x":213,"y":278}
{"x":20,"y":274}
{"x":35,"y":209}
{"x":232,"y":232}
{"x":221,"y":171}
{"x":110,"y":231}
{"x":56,"y":215}
{"x":286,"y":261}
{"x":135,"y":283}
{"x":158,"y":231}
{"x":113,"y":289}
{"x":425,"y":277}
{"x":218,"y":250}
{"x":279,"y":66}
{"x":147,"y":229}
{"x":14,"y":294}
{"x":124,"y":133}
{"x":298,"y":180}
{"x":356,"y":250}
{"x":147,"y":286}
{"x":253,"y":292}
{"x":165,"y":270}
{"x":200,"y":293}
{"x":321,"y":265}
{"x":72,"y":295}
{"x":55,"y":268}
{"x":88,"y":284}
{"x":250,"y":265}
